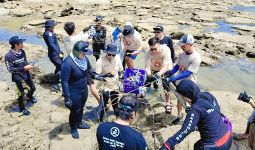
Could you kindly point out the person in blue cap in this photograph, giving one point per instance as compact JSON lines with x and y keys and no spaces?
{"x":118,"y":134}
{"x":204,"y":114}
{"x":110,"y":67}
{"x":17,"y":64}
{"x":74,"y":79}
{"x":100,"y":37}
{"x":54,"y":53}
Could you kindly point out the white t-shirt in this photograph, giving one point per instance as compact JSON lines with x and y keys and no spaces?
{"x":132,"y":42}
{"x":104,"y":66}
{"x":71,"y":40}
{"x":189,"y":62}
{"x":158,"y":61}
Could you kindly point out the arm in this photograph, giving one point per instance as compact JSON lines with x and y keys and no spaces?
{"x":10,"y":66}
{"x":170,"y":45}
{"x":183,"y":75}
{"x":65,"y":75}
{"x":188,"y":126}
{"x":147,"y":63}
{"x":52,"y":45}
{"x":163,"y":69}
{"x":173,"y":71}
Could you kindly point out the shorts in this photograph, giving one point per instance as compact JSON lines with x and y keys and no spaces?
{"x":129,"y":55}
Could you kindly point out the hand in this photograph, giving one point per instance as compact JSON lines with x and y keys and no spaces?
{"x":100,"y":77}
{"x":135,"y":52}
{"x":108,"y":75}
{"x":61,"y":55}
{"x":167,"y":80}
{"x":244,"y":97}
{"x":68,"y":103}
{"x":155,"y":77}
{"x":29,"y":67}
{"x":165,"y":146}
{"x":121,"y":75}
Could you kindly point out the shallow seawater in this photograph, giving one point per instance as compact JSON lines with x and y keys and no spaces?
{"x":241,"y":8}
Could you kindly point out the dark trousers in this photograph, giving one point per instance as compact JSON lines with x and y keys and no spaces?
{"x":113,"y":95}
{"x":57,"y":63}
{"x":200,"y":146}
{"x":97,"y":47}
{"x":21,"y":92}
{"x":79,"y":98}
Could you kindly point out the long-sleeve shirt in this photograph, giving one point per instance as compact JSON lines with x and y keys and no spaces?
{"x":51,"y":41}
{"x":169,"y":42}
{"x":74,"y":77}
{"x":15,"y":63}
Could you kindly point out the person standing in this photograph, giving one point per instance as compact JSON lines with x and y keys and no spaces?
{"x":74,"y":79}
{"x":187,"y":66}
{"x":163,"y":39}
{"x":69,"y":43}
{"x":157,"y":62}
{"x":118,"y":134}
{"x":100,"y":37}
{"x":17,"y":64}
{"x":54,"y":53}
{"x":110,"y":67}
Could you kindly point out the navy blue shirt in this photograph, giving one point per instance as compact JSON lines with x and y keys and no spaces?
{"x":206,"y":117}
{"x":72,"y":77}
{"x":51,"y":41}
{"x":114,"y":136}
{"x":100,"y":34}
{"x":169,"y":42}
{"x":15,"y":63}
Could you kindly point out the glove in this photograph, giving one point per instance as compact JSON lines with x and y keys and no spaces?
{"x":155,"y":77}
{"x":100,"y":77}
{"x":68,"y":103}
{"x":121,"y":75}
{"x":108,"y":75}
{"x":167,"y":80}
{"x":165,"y":146}
{"x":244,"y":97}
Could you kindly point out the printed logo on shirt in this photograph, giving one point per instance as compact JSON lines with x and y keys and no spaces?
{"x":115,"y":131}
{"x":50,"y":34}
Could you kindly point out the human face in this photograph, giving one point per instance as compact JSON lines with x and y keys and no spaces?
{"x":158,"y":34}
{"x":82,"y":55}
{"x":18,"y":46}
{"x":99,"y":23}
{"x":111,"y":56}
{"x":186,"y":47}
{"x":154,"y":49}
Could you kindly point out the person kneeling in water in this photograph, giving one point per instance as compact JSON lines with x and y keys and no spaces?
{"x":205,"y":114}
{"x":118,"y":135}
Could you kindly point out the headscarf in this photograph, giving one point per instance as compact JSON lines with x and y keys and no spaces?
{"x":82,"y":64}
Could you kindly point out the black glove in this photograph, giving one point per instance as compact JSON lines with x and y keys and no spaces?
{"x":155,"y":77}
{"x":100,"y":77}
{"x":244,"y":97}
{"x":68,"y":102}
{"x":165,"y":146}
{"x":108,"y":75}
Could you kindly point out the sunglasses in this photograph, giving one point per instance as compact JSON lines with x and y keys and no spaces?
{"x":157,"y":32}
{"x":111,"y":55}
{"x":153,"y":49}
{"x":82,"y":53}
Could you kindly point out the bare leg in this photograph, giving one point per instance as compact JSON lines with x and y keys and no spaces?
{"x":94,"y":91}
{"x":180,"y":109}
{"x":129,"y":62}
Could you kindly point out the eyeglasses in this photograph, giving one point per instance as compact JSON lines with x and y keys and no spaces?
{"x":157,"y":32}
{"x":113,"y":55}
{"x":153,"y":49}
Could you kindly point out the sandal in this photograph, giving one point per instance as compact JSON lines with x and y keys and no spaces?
{"x":168,"y":108}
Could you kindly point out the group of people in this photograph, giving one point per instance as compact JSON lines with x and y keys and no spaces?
{"x":76,"y":74}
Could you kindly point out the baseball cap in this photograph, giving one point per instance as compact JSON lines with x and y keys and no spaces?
{"x":50,"y":23}
{"x":186,"y":39}
{"x":99,"y":18}
{"x":82,"y":46}
{"x":128,"y":30}
{"x":158,"y":28}
{"x":111,"y":49}
{"x":16,"y":40}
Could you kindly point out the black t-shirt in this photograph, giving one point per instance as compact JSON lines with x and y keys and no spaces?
{"x":169,"y":42}
{"x":113,"y":136}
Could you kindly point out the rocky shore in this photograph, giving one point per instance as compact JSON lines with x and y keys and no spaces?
{"x":47,"y":126}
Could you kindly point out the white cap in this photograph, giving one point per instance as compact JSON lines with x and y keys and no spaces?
{"x":128,"y":24}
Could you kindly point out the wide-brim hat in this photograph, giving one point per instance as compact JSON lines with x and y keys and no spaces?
{"x":50,"y":23}
{"x":111,"y":49}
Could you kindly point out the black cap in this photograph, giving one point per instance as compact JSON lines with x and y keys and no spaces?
{"x":128,"y":103}
{"x":82,"y":46}
{"x":99,"y":18}
{"x":128,"y":30}
{"x":158,"y":28}
{"x":112,"y":49}
{"x":16,"y":40}
{"x":50,"y":23}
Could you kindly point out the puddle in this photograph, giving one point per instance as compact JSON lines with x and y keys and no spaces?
{"x":241,"y":8}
